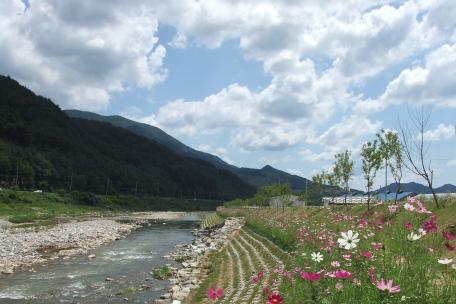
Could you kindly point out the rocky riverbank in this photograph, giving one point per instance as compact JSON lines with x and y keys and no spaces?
{"x":193,"y":258}
{"x":24,"y":246}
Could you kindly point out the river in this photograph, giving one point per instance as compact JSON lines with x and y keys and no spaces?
{"x":128,"y":262}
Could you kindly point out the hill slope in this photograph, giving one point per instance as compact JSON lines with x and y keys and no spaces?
{"x":419,"y":188}
{"x":50,"y":150}
{"x":255,"y":177}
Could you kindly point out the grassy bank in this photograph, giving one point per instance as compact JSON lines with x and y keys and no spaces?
{"x":23,"y":206}
{"x":423,"y":265}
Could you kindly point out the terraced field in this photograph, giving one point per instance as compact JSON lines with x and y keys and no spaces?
{"x":234,"y":267}
{"x":211,"y":220}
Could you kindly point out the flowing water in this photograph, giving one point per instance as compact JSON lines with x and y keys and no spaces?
{"x":128,"y":262}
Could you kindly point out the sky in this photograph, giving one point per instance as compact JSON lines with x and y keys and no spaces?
{"x":286,"y":83}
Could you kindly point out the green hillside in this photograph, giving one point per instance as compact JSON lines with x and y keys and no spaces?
{"x":41,"y":147}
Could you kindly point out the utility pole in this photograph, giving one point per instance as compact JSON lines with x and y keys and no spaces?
{"x":386,"y":179}
{"x":307,"y":198}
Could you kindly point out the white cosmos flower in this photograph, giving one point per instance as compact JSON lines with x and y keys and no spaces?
{"x":453,"y":266}
{"x":348,"y":240}
{"x":409,"y":207}
{"x":445,"y":261}
{"x":422,"y":231}
{"x":413,"y":236}
{"x":317,"y":257}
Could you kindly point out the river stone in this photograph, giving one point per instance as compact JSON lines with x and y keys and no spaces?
{"x":165,"y":296}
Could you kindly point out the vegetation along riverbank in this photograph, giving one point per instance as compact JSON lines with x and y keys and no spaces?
{"x":395,"y":253}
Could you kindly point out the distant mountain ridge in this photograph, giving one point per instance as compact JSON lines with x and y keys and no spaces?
{"x":419,"y":188}
{"x":255,"y":177}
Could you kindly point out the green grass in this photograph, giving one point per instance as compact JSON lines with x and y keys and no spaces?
{"x":21,"y":206}
{"x":126,"y":291}
{"x":24,"y":206}
{"x":162,"y":273}
{"x":210,"y":221}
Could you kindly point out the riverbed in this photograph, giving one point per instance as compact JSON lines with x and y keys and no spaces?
{"x":114,"y":269}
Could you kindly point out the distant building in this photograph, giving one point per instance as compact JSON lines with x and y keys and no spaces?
{"x":363,"y":198}
{"x":438,"y":195}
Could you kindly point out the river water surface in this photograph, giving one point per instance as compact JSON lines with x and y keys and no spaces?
{"x":128,"y":262}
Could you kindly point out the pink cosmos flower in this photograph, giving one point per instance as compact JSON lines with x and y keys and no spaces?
{"x":310,"y":276}
{"x":429,"y":226}
{"x":387,"y":286}
{"x":372,"y":275}
{"x":408,"y":225}
{"x":450,"y":247}
{"x":275,"y":298}
{"x":421,"y":208}
{"x":346,"y":257}
{"x":392,"y":208}
{"x":215,"y":293}
{"x":448,"y":235}
{"x":411,"y":199}
{"x":256,"y":278}
{"x":367,"y":254}
{"x":342,"y":274}
{"x":377,"y":246}
{"x":362,"y":224}
{"x":335,"y":264}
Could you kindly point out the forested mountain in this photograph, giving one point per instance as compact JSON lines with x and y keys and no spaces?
{"x":419,"y":188}
{"x":41,"y":147}
{"x":153,"y":133}
{"x":255,"y":177}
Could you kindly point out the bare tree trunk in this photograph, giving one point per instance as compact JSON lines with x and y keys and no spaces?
{"x":434,"y":196}
{"x":415,"y":152}
{"x":398,"y":188}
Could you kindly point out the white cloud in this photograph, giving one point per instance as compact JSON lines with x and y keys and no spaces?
{"x":441,"y":132}
{"x":347,"y":133}
{"x":357,"y":39}
{"x":78,"y":53}
{"x":179,"y":41}
{"x":432,"y":84}
{"x":219,"y":151}
{"x":452,"y":162}
{"x":311,"y":156}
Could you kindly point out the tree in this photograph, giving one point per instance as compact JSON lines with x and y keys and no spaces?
{"x":391,"y":151}
{"x":333,"y":182}
{"x":372,"y":161}
{"x":385,"y":152}
{"x":343,"y":170}
{"x":397,"y":161}
{"x":415,"y":147}
{"x":315,"y":189}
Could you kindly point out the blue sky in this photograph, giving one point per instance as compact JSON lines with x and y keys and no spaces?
{"x":255,"y":82}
